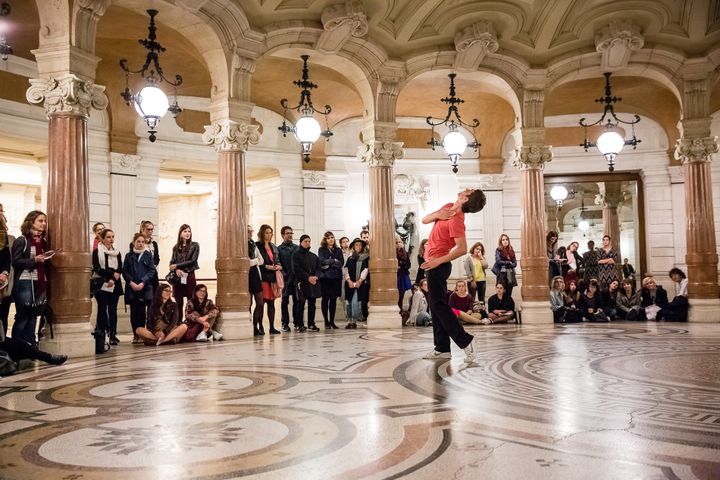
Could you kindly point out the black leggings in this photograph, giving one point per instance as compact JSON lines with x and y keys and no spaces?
{"x":259,"y":309}
{"x":138,"y":314}
{"x":328,"y":303}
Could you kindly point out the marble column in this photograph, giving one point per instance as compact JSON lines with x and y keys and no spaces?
{"x":67,"y":100}
{"x":231,"y":140}
{"x":380,"y":155}
{"x":531,"y":160}
{"x":701,"y":257}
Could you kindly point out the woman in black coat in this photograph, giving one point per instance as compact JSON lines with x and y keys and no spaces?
{"x":357,"y":282}
{"x":184,"y":262}
{"x":140,"y":276}
{"x":269,"y":267}
{"x":331,"y":265}
{"x":107,"y":264}
{"x":306,"y":267}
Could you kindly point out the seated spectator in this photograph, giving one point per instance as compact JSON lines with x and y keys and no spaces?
{"x":677,"y":310}
{"x":462,"y":302}
{"x":573,"y":292}
{"x":501,"y":307}
{"x":17,"y":350}
{"x":563,"y":307}
{"x":419,"y":306}
{"x":654,"y":299}
{"x":201,"y":315}
{"x":163,"y":322}
{"x":609,"y":298}
{"x":628,"y":302}
{"x":591,"y":303}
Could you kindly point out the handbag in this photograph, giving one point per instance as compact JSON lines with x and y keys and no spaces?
{"x":172,"y":278}
{"x":38,"y":306}
{"x":96,"y":283}
{"x":279,"y":284}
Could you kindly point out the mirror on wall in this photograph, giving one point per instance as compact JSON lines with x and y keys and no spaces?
{"x":586,"y":207}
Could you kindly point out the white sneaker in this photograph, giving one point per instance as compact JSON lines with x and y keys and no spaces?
{"x":216,"y":335}
{"x":202,"y":337}
{"x":470,"y":352}
{"x":435,"y":355}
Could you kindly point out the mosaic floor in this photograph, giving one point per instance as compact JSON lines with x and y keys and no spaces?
{"x":618,"y":401}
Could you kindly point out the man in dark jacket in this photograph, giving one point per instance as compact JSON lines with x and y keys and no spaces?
{"x":286,"y":250}
{"x":306,"y":266}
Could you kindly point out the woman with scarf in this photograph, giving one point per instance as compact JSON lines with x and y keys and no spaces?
{"x":357,"y":282}
{"x":163,"y":323}
{"x":255,"y":284}
{"x":184,"y":262}
{"x":140,"y":277}
{"x":29,"y":253}
{"x":306,"y":267}
{"x":202,"y":317}
{"x":269,"y":276}
{"x":505,"y":264}
{"x":331,"y":264}
{"x":107,"y":263}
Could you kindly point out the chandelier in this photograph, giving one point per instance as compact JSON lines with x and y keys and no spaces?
{"x":307,"y":130}
{"x":151,"y":103}
{"x":5,"y":48}
{"x":610,"y":142}
{"x":453,"y":142}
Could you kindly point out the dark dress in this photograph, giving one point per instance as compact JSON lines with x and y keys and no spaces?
{"x":255,"y":283}
{"x":607,"y":272}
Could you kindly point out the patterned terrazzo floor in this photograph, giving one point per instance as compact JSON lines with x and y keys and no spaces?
{"x":614,"y":401}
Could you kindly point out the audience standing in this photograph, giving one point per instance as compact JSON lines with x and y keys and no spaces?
{"x":306,"y":266}
{"x":505,"y":264}
{"x":286,"y":250}
{"x":5,"y":271}
{"x":140,"y":274}
{"x":421,"y":259}
{"x":107,"y":263}
{"x":270,"y":270}
{"x":255,"y":284}
{"x":331,"y":274}
{"x":357,"y":282}
{"x":475,"y":265}
{"x":403,"y":273}
{"x":184,"y":262}
{"x":606,"y":263}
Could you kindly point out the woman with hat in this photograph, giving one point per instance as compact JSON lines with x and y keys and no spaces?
{"x":306,"y":267}
{"x":357,"y":286}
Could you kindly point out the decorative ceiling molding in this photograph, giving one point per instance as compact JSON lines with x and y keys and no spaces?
{"x":616,"y":42}
{"x":473,"y":43}
{"x":340,"y":22}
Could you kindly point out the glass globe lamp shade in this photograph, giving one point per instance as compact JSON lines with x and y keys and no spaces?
{"x":559,"y":193}
{"x":454,"y":143}
{"x":151,"y":104}
{"x":583,"y":225}
{"x":307,"y":130}
{"x":610,"y":142}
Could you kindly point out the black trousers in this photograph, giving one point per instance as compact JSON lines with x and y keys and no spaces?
{"x":285,"y":310}
{"x":107,"y":311}
{"x":311,"y":305}
{"x":5,"y":311}
{"x":20,"y":350}
{"x":445,"y":324}
{"x":138,"y":313}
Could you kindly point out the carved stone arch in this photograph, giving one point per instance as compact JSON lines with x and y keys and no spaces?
{"x":197,"y":27}
{"x":663,"y":73}
{"x":54,"y":22}
{"x":343,"y":62}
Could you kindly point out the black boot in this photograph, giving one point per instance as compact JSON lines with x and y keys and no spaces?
{"x":57,"y":359}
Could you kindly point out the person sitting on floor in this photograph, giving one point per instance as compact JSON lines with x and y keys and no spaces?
{"x":17,"y":350}
{"x":677,"y":310}
{"x":628,"y":302}
{"x":163,"y":322}
{"x":462,"y":303}
{"x":419,"y":307}
{"x":563,"y":307}
{"x":201,"y":316}
{"x":654,"y":299}
{"x":609,"y":298}
{"x":591,"y":304}
{"x":501,"y":307}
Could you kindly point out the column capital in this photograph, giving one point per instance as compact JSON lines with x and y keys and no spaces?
{"x":340,"y":22}
{"x":67,"y":94}
{"x":473,"y":43}
{"x":230,"y":135}
{"x":696,"y":150}
{"x":314,"y":179}
{"x":532,"y":157}
{"x":124,"y":163}
{"x":616,"y":41}
{"x":381,"y":153}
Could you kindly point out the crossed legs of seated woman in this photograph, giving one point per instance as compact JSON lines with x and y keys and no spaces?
{"x":163,"y":324}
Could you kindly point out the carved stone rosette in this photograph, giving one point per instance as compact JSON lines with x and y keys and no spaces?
{"x":230,"y":135}
{"x":381,"y":154}
{"x":68,"y":94}
{"x":696,"y":150}
{"x":532,"y":157}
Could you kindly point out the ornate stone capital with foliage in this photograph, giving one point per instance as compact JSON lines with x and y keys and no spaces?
{"x":229,"y":135}
{"x":616,"y":41}
{"x":340,"y":22}
{"x":68,"y":94}
{"x":532,"y":157}
{"x":696,"y":150}
{"x":473,"y":43}
{"x":378,"y":153}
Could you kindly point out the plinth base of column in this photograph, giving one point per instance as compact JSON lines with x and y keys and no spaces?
{"x":536,"y":313}
{"x":236,"y":325}
{"x":383,"y":317}
{"x":704,"y":310}
{"x":71,"y":339}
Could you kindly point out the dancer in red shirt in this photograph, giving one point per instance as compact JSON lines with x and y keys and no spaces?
{"x":446,"y":243}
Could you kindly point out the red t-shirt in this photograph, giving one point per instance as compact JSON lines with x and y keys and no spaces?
{"x":443,"y":234}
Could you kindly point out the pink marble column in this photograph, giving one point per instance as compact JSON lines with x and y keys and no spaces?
{"x":701,"y":257}
{"x":67,"y":101}
{"x":534,"y":264}
{"x":380,"y":155}
{"x":231,"y":140}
